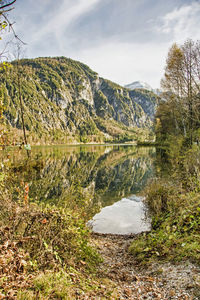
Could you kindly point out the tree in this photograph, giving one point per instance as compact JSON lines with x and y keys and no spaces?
{"x":181,"y":83}
{"x":5,"y":6}
{"x":19,"y":83}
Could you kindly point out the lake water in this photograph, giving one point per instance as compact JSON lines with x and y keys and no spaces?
{"x":126,"y":216}
{"x":112,"y":179}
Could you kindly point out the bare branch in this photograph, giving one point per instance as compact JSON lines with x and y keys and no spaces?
{"x":4,"y":50}
{"x":11,"y":27}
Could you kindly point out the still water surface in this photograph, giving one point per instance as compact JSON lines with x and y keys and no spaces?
{"x":112,"y":178}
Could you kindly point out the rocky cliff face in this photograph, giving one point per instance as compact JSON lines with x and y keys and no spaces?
{"x":147,"y":100}
{"x":65,"y":98}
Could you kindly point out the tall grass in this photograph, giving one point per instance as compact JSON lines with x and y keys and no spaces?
{"x":174,"y":204}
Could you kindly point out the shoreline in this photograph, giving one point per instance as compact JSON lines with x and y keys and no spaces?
{"x":8,"y":147}
{"x":157,"y":280}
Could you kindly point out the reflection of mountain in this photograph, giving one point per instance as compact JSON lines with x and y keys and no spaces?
{"x":127,"y":177}
{"x":106,"y":173}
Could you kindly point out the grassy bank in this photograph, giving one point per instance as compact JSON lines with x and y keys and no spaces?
{"x":175,"y":208}
{"x":45,"y":249}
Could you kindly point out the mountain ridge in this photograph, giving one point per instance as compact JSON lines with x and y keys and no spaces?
{"x":67,"y":100}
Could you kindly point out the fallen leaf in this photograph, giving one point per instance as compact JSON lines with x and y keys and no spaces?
{"x":44,"y":221}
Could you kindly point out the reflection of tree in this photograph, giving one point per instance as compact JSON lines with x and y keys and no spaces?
{"x":127,"y":177}
{"x":105,"y":176}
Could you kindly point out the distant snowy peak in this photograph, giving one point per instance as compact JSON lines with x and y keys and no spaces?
{"x":142,"y":85}
{"x":139,"y":85}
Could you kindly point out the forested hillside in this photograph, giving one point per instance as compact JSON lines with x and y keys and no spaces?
{"x":65,"y":101}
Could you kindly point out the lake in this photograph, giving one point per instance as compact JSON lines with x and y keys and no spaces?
{"x":111,"y":177}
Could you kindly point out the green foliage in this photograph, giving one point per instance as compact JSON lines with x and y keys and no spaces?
{"x":67,"y":284}
{"x":174,"y":237}
{"x":174,"y":205}
{"x":102,"y":106}
{"x":57,"y":235}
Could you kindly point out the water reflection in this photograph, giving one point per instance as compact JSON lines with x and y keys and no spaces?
{"x":123,"y":217}
{"x":106,"y":174}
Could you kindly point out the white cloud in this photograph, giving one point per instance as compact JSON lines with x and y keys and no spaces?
{"x":126,"y":62}
{"x":120,"y":40}
{"x":182,"y":23}
{"x":64,"y":16}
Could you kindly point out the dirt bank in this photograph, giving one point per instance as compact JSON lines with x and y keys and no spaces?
{"x":156,"y":281}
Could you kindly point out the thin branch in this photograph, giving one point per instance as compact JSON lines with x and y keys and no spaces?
{"x":5,"y":11}
{"x":11,"y":27}
{"x":3,"y":52}
{"x":8,"y":4}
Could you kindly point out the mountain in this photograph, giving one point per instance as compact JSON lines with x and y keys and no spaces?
{"x":139,"y":85}
{"x":142,"y":85}
{"x":65,"y":101}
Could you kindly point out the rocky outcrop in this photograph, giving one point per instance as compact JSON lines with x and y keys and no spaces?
{"x":147,"y":100}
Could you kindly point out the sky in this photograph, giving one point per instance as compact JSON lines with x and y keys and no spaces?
{"x":122,"y":40}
